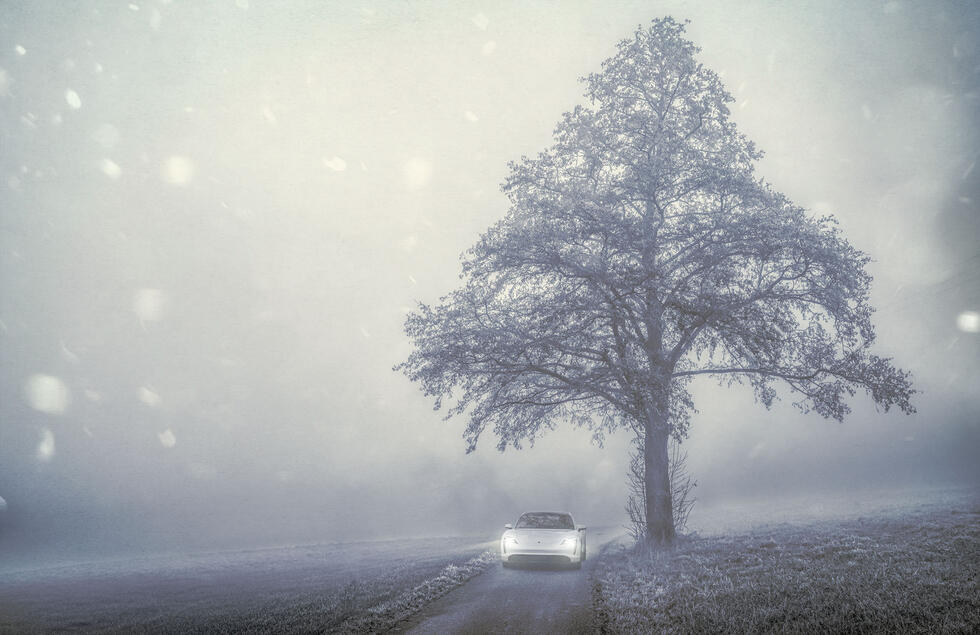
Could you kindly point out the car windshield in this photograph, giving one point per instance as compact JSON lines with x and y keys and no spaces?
{"x":545,"y":520}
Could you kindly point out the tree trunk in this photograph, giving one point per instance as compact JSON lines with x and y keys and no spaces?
{"x":659,"y":507}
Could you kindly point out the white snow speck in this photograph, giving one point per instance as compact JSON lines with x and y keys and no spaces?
{"x":155,"y":19}
{"x":97,"y":68}
{"x":757,"y":450}
{"x":47,"y":393}
{"x":149,"y":397}
{"x":867,"y":113}
{"x":242,"y":4}
{"x":365,"y":332}
{"x":68,"y":354}
{"x":134,"y":7}
{"x":167,"y":438}
{"x":93,"y":395}
{"x":45,"y":449}
{"x":489,"y":47}
{"x":412,"y":279}
{"x":178,"y":170}
{"x":269,"y":115}
{"x":110,"y":168}
{"x":417,"y":173}
{"x":3,"y":504}
{"x":4,"y":83}
{"x":480,"y":21}
{"x":20,"y":50}
{"x":336,"y":164}
{"x":471,"y":116}
{"x":408,"y":243}
{"x":74,"y":101}
{"x":968,"y":322}
{"x":148,"y":304}
{"x":106,"y":135}
{"x":56,"y":119}
{"x":969,"y":169}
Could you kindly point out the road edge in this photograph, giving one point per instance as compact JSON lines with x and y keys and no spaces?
{"x":387,"y":615}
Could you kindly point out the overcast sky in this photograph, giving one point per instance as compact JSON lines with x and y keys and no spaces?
{"x":214,"y":217}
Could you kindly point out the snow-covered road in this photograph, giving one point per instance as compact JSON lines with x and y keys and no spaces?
{"x":525,"y":600}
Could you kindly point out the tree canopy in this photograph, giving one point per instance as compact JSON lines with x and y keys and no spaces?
{"x":641,"y":250}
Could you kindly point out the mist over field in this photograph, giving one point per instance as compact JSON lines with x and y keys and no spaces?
{"x":214,"y":218}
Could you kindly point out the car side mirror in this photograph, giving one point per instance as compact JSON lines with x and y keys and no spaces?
{"x":508,"y":526}
{"x":581,"y":528}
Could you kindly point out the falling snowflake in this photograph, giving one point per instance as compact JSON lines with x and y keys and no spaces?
{"x":269,"y":115}
{"x":178,"y":170}
{"x":48,"y":394}
{"x":336,"y":164}
{"x":148,"y":304}
{"x":480,"y":21}
{"x":968,"y":322}
{"x":74,"y":101}
{"x":417,"y":173}
{"x":45,"y":449}
{"x":106,"y":135}
{"x":149,"y":397}
{"x":110,"y":168}
{"x":489,"y":47}
{"x":471,"y":116}
{"x":20,"y":50}
{"x":167,"y":438}
{"x":408,"y":243}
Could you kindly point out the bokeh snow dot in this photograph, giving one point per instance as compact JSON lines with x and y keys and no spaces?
{"x":110,"y":168}
{"x":45,"y":449}
{"x":148,"y":304}
{"x":167,"y":438}
{"x":968,"y":322}
{"x":106,"y":135}
{"x":149,"y":397}
{"x":417,"y":173}
{"x":47,"y":393}
{"x":178,"y":170}
{"x":336,"y":164}
{"x":74,"y":101}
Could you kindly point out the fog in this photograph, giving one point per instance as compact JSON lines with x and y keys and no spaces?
{"x":215,"y":217}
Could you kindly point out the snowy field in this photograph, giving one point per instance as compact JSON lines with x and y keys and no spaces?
{"x":891,"y":563}
{"x":286,"y":589}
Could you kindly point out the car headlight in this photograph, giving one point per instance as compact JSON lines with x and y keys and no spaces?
{"x":510,"y":540}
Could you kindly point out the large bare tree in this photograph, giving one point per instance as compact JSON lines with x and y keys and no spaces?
{"x":640,"y":251}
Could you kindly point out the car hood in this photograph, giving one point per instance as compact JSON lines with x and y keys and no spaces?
{"x":547,"y":537}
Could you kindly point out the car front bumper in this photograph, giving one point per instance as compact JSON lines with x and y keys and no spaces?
{"x":556,"y":555}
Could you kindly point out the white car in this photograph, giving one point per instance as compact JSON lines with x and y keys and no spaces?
{"x":544,"y":538}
